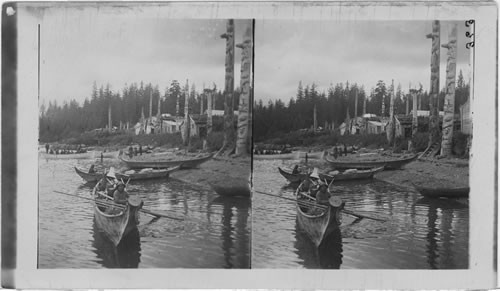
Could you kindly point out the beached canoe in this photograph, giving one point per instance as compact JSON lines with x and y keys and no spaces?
{"x":351,"y":175}
{"x":186,"y":163}
{"x":117,"y":225}
{"x":318,"y":223}
{"x":389,"y":164}
{"x":341,"y":176}
{"x":87,"y":155}
{"x":312,"y":156}
{"x":136,"y":175}
{"x":287,"y":156}
{"x":438,"y":192}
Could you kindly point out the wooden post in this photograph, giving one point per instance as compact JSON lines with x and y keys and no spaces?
{"x":159,"y":107}
{"x":383,"y":106}
{"x":229,"y":132}
{"x":414,"y":124}
{"x":356,"y":103}
{"x":244,"y":106}
{"x":408,"y":100}
{"x":201,"y":103}
{"x":177,"y":107}
{"x":315,"y":122}
{"x":391,"y":125}
{"x":434,"y":90}
{"x":109,"y":115}
{"x":364,"y":105}
{"x":209,"y":111}
{"x":186,"y":115}
{"x":150,"y":104}
{"x":449,"y":102}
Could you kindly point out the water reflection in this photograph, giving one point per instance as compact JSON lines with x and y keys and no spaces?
{"x":126,"y":255}
{"x":327,"y":256}
{"x":417,"y":234}
{"x":234,"y":234}
{"x":215,"y":232}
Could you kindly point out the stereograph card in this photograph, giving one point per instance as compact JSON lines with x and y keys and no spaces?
{"x":318,"y":145}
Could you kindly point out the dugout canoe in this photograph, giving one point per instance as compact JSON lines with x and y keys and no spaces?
{"x":317,"y":223}
{"x":389,"y":164}
{"x":153,"y":174}
{"x":347,"y":176}
{"x":117,"y":225}
{"x":443,"y":192}
{"x":167,"y":163}
{"x":287,"y":156}
{"x":292,"y":178}
{"x":87,"y":155}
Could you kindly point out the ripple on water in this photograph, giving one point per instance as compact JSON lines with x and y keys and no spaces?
{"x":216,"y":233}
{"x":419,"y":233}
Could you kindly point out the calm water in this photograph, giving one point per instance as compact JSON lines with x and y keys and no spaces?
{"x":216,"y":233}
{"x":419,"y":233}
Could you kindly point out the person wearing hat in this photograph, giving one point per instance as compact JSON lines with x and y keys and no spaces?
{"x":120,"y":196}
{"x":322,"y":196}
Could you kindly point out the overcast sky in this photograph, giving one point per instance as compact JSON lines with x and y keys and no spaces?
{"x":362,"y":52}
{"x":80,"y":46}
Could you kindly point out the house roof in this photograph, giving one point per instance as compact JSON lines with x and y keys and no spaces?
{"x":199,"y":119}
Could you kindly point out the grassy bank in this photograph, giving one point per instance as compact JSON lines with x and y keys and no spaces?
{"x":327,"y":139}
{"x":171,"y":140}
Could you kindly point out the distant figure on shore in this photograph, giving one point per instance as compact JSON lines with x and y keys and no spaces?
{"x":102,"y":157}
{"x":47,"y":147}
{"x":345,"y":150}
{"x":130,"y":152}
{"x":140,"y":150}
{"x":335,"y":152}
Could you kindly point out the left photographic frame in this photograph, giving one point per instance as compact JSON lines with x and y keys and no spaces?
{"x":158,"y":104}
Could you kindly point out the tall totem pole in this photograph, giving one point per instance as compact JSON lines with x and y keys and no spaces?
{"x":449,"y":101}
{"x":244,"y":106}
{"x":434,"y":90}
{"x":229,"y":132}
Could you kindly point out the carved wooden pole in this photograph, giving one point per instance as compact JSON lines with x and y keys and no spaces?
{"x":209,"y":110}
{"x":391,"y":125}
{"x":109,"y":115}
{"x":150,"y":104}
{"x":408,"y":100}
{"x":364,"y":105}
{"x":229,"y":132}
{"x":177,"y":107}
{"x":158,"y":112}
{"x":201,"y":103}
{"x":449,"y":101}
{"x":414,"y":124}
{"x":186,"y":114}
{"x":244,"y":106}
{"x":315,"y":121}
{"x":434,"y":90}
{"x":383,"y":106}
{"x":356,"y":103}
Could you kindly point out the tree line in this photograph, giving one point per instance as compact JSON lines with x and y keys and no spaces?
{"x":337,"y":104}
{"x":70,"y":119}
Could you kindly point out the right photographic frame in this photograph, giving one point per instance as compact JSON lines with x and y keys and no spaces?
{"x":362,"y":144}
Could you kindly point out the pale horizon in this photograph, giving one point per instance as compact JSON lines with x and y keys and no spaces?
{"x":326,"y":53}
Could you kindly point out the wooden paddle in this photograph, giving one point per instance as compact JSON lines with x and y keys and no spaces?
{"x":343,"y":210}
{"x":118,"y":205}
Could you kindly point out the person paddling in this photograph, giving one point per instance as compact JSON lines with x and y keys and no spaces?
{"x":120,"y":196}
